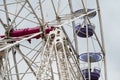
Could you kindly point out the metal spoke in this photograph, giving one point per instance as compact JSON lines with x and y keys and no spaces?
{"x":16,"y":67}
{"x":34,"y":13}
{"x":16,"y":16}
{"x":27,"y":62}
{"x":19,"y":16}
{"x":7,"y":16}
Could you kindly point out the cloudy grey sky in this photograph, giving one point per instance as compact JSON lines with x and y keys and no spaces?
{"x":111,"y":23}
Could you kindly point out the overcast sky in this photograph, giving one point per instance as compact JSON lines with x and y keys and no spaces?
{"x":111,"y":23}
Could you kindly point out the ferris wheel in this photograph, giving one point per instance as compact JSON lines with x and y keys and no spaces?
{"x":51,"y":40}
